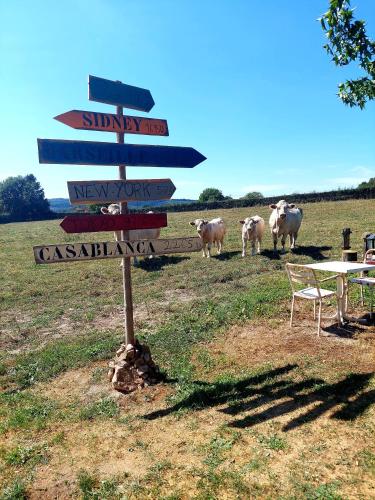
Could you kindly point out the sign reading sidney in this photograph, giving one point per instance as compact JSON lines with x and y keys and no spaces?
{"x":107,"y":122}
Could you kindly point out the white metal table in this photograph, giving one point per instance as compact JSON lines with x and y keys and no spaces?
{"x":342,"y":269}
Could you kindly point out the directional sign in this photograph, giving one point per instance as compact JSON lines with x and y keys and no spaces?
{"x":106,"y":122}
{"x":86,"y":192}
{"x":69,"y":252}
{"x":119,"y":94}
{"x":123,"y":222}
{"x":108,"y":153}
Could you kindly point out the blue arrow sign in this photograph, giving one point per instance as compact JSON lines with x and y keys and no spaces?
{"x":109,"y":153}
{"x":119,"y":94}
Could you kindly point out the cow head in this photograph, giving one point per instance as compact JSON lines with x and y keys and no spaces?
{"x":199,"y":224}
{"x":113,"y":209}
{"x":249,"y":224}
{"x":281,"y":209}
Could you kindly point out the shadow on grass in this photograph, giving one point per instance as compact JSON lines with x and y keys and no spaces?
{"x":312,"y":251}
{"x":270,"y":254}
{"x":226,"y":255}
{"x":281,"y":395}
{"x":157,"y":263}
{"x":315,"y":252}
{"x":347,"y":331}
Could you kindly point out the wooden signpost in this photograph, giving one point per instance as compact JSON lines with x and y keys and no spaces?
{"x":107,"y":122}
{"x":121,"y":191}
{"x":108,"y":153}
{"x":86,"y":192}
{"x":97,"y":223}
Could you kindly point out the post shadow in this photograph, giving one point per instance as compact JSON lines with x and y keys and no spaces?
{"x":249,"y":394}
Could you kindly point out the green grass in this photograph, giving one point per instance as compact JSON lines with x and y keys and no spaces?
{"x":15,"y":491}
{"x":61,"y":317}
{"x":23,"y":410}
{"x":104,"y":408}
{"x":26,"y":455}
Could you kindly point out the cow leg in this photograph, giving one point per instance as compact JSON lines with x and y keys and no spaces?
{"x":253,"y":247}
{"x":204,"y":250}
{"x":208,"y":250}
{"x":244,"y":245}
{"x":283,"y":243}
{"x":259,"y":242}
{"x":292,"y":237}
{"x":274,"y":243}
{"x":295,"y":239}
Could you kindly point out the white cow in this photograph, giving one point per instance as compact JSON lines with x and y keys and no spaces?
{"x":134,"y":234}
{"x":285,"y":220}
{"x":212,"y":231}
{"x":252,"y":230}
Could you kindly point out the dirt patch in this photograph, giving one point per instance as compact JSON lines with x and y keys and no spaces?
{"x":350,"y":347}
{"x":277,"y":434}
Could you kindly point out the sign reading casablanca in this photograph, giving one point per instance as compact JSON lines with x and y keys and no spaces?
{"x":83,"y":192}
{"x":51,"y":254}
{"x":107,"y":122}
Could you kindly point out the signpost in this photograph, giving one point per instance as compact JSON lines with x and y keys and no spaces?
{"x":119,"y":94}
{"x":107,"y":153}
{"x":97,"y":223}
{"x":107,"y":122}
{"x":69,"y":252}
{"x":83,"y":192}
{"x":54,"y":151}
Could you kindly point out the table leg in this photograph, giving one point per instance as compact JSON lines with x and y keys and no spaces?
{"x":341,"y":298}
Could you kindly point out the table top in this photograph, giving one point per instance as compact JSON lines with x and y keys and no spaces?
{"x":338,"y":266}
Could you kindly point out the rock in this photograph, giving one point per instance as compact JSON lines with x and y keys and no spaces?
{"x":110,"y":374}
{"x":146,"y":357}
{"x":143,"y":369}
{"x":121,"y":350}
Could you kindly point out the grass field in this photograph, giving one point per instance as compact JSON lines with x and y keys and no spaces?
{"x":250,"y":408}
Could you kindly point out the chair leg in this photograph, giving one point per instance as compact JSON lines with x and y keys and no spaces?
{"x":362,"y":298}
{"x":319,"y":316}
{"x":292,"y":311}
{"x":371,"y":301}
{"x":314,"y":309}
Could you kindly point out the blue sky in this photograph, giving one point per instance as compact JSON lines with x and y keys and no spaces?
{"x":245,"y":82}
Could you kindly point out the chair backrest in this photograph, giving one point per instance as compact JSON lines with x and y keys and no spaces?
{"x":369,"y":256}
{"x":302,"y":275}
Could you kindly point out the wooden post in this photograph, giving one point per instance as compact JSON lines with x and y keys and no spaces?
{"x":126,"y":264}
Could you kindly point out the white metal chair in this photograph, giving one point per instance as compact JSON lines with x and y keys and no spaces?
{"x":301,"y":275}
{"x":367,"y":281}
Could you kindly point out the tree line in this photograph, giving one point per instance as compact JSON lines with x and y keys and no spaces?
{"x":22,"y":198}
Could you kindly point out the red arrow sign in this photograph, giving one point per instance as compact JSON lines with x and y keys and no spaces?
{"x":106,"y":122}
{"x":97,"y":223}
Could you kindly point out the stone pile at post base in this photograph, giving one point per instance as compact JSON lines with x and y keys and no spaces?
{"x":133,"y":368}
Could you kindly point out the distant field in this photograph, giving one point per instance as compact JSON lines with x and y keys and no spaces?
{"x":250,"y":409}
